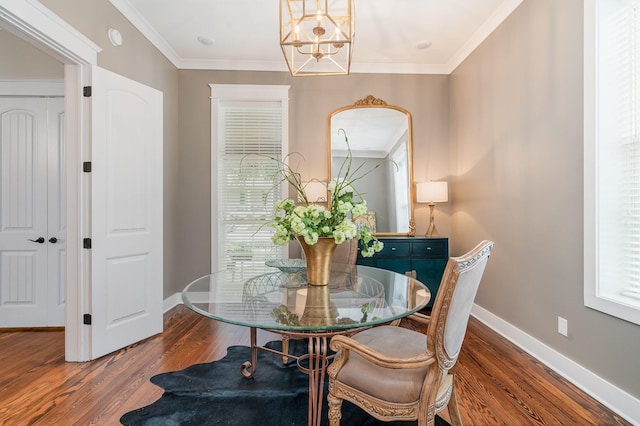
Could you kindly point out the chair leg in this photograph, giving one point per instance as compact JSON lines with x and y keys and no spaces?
{"x":452,"y":407}
{"x":285,"y":349}
{"x":335,"y":410}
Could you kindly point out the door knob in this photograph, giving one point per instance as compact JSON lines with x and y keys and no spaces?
{"x":39,"y":240}
{"x":53,"y":240}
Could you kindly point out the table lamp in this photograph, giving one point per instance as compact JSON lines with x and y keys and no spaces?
{"x":432,"y":192}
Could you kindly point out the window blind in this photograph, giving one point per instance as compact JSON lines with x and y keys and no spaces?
{"x":248,"y":184}
{"x":629,"y":65}
{"x":618,"y":152}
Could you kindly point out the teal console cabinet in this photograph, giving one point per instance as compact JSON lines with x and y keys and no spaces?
{"x":422,"y":258}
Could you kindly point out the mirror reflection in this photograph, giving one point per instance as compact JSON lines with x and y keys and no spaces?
{"x":378,"y":132}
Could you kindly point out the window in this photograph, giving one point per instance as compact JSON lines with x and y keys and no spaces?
{"x":399,"y":167}
{"x":248,"y":130}
{"x":612,"y":157}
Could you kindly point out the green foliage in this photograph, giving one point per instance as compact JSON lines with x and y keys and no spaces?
{"x":312,"y":221}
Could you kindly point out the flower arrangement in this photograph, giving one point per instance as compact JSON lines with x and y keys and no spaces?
{"x":312,"y":221}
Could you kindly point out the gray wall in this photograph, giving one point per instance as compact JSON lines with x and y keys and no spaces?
{"x":517,"y":152}
{"x":22,"y":61}
{"x":138,"y":60}
{"x":311,"y":102}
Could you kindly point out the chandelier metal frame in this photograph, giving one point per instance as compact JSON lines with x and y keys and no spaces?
{"x":317,"y":36}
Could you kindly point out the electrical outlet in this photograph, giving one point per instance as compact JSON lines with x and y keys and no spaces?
{"x":563,"y":326}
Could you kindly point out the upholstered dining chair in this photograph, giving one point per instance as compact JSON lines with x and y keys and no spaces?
{"x":397,"y":374}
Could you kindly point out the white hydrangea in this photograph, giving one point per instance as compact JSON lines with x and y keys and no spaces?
{"x":311,"y":238}
{"x":297,"y":225}
{"x":344,"y":207}
{"x":281,"y":236}
{"x":359,"y":209}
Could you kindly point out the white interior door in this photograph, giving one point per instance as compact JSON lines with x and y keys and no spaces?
{"x":56,"y":214}
{"x":126,"y":212}
{"x":31,"y":282}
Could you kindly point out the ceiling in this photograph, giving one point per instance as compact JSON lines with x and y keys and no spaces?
{"x":392,"y":36}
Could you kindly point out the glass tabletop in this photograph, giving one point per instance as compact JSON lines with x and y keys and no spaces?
{"x":357,"y":296}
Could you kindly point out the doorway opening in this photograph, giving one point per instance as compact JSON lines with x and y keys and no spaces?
{"x":38,"y":26}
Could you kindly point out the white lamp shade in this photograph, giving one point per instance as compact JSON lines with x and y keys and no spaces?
{"x":432,"y":192}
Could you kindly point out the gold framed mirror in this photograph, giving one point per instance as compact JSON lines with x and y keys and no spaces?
{"x":378,"y":131}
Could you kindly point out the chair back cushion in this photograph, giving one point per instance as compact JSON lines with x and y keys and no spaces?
{"x":460,"y":309}
{"x":454,"y":301}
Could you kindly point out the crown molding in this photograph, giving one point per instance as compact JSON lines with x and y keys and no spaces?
{"x":356,"y":67}
{"x":230,"y":65}
{"x":498,"y":17}
{"x":500,"y":14}
{"x":388,"y":68}
{"x":138,"y":21}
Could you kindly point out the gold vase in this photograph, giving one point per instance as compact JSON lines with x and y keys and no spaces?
{"x":318,"y":310}
{"x":318,"y":259}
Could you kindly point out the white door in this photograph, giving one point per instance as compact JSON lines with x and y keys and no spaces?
{"x":126,"y":212}
{"x":56,"y":224}
{"x":31,"y":198}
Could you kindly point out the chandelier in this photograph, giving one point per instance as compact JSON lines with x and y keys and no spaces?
{"x":316,"y":36}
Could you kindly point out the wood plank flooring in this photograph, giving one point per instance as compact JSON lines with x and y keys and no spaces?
{"x":498,"y":384}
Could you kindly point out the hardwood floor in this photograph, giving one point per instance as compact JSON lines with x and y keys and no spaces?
{"x":498,"y":384}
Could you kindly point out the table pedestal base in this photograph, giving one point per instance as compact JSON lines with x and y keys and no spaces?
{"x":318,"y":358}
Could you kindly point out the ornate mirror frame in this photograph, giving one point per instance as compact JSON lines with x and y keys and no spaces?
{"x":376,"y":108}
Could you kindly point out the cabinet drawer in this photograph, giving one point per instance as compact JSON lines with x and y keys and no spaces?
{"x":366,"y":261}
{"x":395,"y":249}
{"x":430,"y":249}
{"x":400,"y":266}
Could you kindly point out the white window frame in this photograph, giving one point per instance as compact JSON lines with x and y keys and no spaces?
{"x":596,"y":231}
{"x":249,"y":93}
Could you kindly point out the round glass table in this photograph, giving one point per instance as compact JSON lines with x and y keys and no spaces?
{"x":357,"y":297}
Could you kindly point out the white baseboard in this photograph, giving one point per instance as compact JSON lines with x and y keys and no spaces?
{"x":609,"y":395}
{"x":171,"y":302}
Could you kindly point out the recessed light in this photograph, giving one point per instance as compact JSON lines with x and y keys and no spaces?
{"x":115,"y":37}
{"x":423,"y":44}
{"x":206,"y":40}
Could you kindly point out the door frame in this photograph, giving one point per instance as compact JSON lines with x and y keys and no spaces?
{"x":36,"y":24}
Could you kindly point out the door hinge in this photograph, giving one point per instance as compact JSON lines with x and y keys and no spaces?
{"x":86,"y":167}
{"x":86,"y":91}
{"x":86,"y":319}
{"x":86,"y":243}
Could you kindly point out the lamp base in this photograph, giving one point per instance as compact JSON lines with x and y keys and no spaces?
{"x":432,"y":232}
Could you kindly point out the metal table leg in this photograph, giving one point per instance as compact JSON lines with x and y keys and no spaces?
{"x":249,"y":368}
{"x":318,"y":358}
{"x":317,"y":369}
